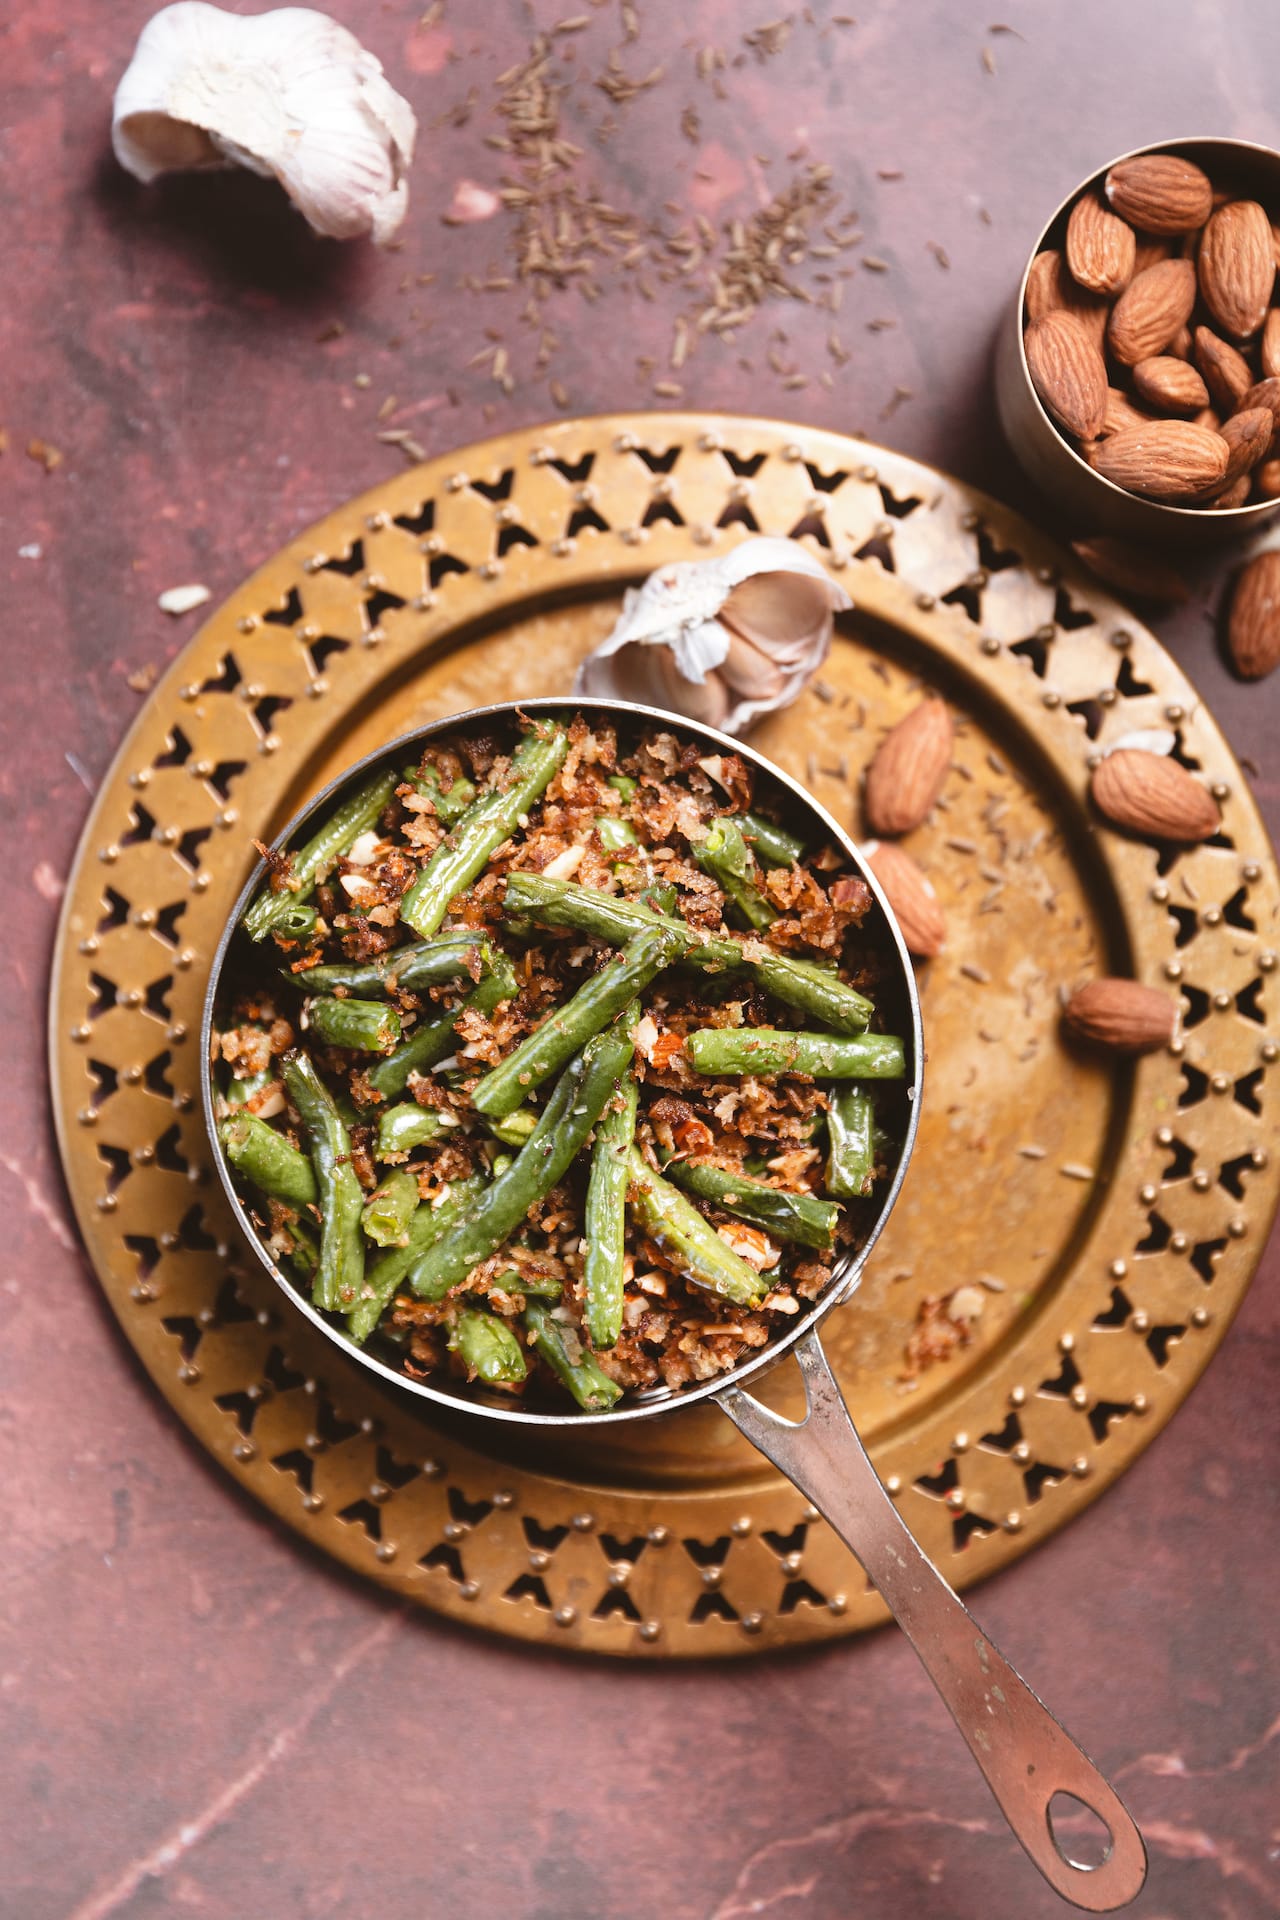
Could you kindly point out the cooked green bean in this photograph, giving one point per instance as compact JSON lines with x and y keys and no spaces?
{"x":365,"y":1026}
{"x":689,"y":1241}
{"x":303,"y":1250}
{"x":412,"y":969}
{"x":614,"y":834}
{"x":465,"y":849}
{"x":513,"y":1129}
{"x":558,"y":1344}
{"x":768,"y":1050}
{"x":577,"y":1101}
{"x":265,"y":1158}
{"x":534,"y":1286}
{"x":772,"y":844}
{"x":851,"y":1155}
{"x":605,"y":1217}
{"x":402,"y":1128}
{"x":450,"y":802}
{"x":296,"y":921}
{"x":814,"y":990}
{"x":800,"y":1217}
{"x":390,"y":1208}
{"x":623,"y":783}
{"x":725,"y":855}
{"x":383,"y":1277}
{"x":240,"y":1092}
{"x":345,"y":824}
{"x":433,"y":1040}
{"x":568,"y":1029}
{"x":341,"y":1265}
{"x":487,"y":1347}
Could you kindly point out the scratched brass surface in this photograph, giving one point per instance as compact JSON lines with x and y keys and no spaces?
{"x":1115,"y":1213}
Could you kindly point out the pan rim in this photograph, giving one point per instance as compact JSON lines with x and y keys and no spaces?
{"x":664,"y":1401}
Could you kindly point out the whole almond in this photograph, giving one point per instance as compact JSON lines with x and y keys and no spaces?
{"x":1237,"y":267}
{"x":1068,"y":372}
{"x":1266,"y":480}
{"x":1151,"y":310}
{"x":1131,"y":569}
{"x":1149,"y":250}
{"x":1248,"y":435}
{"x":1168,"y":460}
{"x":1100,"y":246}
{"x":1226,"y":499}
{"x":1269,"y":345}
{"x":1050,"y":288}
{"x":1253,"y":627}
{"x":1182,"y":344}
{"x":1227,"y":373}
{"x":1208,"y":417}
{"x":1160,"y":193}
{"x":910,"y":893}
{"x":1170,"y":385}
{"x":910,"y":765}
{"x":1121,"y":412}
{"x":1123,"y":1015}
{"x":1154,"y":796}
{"x":1266,"y":393}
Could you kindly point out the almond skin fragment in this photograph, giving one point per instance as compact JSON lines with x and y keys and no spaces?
{"x":1227,"y":373}
{"x":1237,"y":267}
{"x":1123,"y":1015}
{"x":909,"y":768}
{"x":910,"y":894}
{"x":1100,"y":247}
{"x":1253,"y":628}
{"x":1167,"y":460}
{"x":1160,"y":193}
{"x":1154,"y":796}
{"x":1153,"y":308}
{"x":1068,"y":372}
{"x":1132,"y":570}
{"x":1170,"y":385}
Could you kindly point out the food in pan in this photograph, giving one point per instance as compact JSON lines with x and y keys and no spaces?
{"x":554,"y":1061}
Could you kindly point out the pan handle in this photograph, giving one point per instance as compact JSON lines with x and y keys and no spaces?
{"x":1027,"y":1757}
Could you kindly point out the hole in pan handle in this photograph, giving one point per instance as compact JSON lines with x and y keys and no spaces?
{"x":1026,"y":1756}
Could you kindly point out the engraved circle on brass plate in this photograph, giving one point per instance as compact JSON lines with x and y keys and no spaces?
{"x":1111,"y":1216}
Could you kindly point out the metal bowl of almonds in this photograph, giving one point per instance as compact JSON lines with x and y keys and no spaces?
{"x":1138,"y":373}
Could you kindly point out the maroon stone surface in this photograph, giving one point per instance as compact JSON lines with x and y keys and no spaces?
{"x":197,"y":1715}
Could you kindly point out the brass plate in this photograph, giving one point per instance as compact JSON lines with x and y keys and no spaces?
{"x":1121,"y":1210}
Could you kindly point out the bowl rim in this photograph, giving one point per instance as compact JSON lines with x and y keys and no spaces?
{"x":1227,"y":517}
{"x":655,"y":1402}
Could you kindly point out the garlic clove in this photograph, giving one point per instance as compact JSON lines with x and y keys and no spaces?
{"x":289,"y":94}
{"x":720,"y":640}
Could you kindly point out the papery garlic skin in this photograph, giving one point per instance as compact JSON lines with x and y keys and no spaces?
{"x":289,"y":94}
{"x":723,"y":640}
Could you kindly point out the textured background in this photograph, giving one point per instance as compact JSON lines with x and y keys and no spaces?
{"x":197,"y":1716}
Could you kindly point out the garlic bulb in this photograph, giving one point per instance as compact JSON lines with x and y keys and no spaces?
{"x":720,"y":640}
{"x":289,"y":94}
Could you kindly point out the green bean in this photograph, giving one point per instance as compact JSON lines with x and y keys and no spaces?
{"x":660,"y":898}
{"x":534,"y":1286}
{"x":614,"y":834}
{"x":341,"y":1265}
{"x":851,"y":1156}
{"x":450,"y":802}
{"x":390,"y":1207}
{"x":725,"y":855}
{"x":801,"y":1217}
{"x":402,"y":1128}
{"x":766,"y":1050}
{"x":771,"y":843}
{"x":569,"y":1028}
{"x":488,"y":1348}
{"x":345,"y":824}
{"x":383,"y":1277}
{"x":303,"y":1250}
{"x":561,"y":1348}
{"x":465,"y":850}
{"x":240,"y":1092}
{"x":433,"y":1040}
{"x":814,"y":990}
{"x":576,"y":1103}
{"x":689,"y":1241}
{"x":296,"y":921}
{"x":623,"y":783}
{"x":261,"y":1155}
{"x":412,"y":969}
{"x":605,"y":1217}
{"x":365,"y":1026}
{"x":513,"y":1129}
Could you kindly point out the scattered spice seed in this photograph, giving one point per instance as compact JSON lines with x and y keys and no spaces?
{"x":889,"y":173}
{"x":44,"y":454}
{"x":940,"y":254}
{"x":143,"y":679}
{"x":899,"y":395}
{"x":880,"y":326}
{"x":988,"y":60}
{"x":332,"y":330}
{"x":973,"y":972}
{"x":1033,"y":1153}
{"x":958,"y":845}
{"x":769,"y":39}
{"x":668,"y":389}
{"x":1074,"y":1172}
{"x":874,"y":264}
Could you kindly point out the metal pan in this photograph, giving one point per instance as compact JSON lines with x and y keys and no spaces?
{"x":1025,"y":1755}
